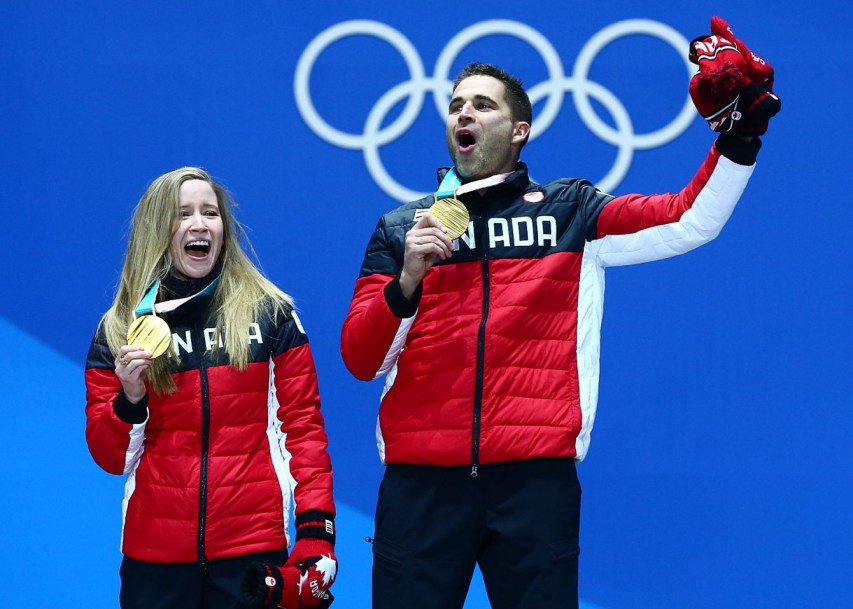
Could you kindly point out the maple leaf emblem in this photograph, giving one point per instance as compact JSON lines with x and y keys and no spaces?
{"x":328,"y":567}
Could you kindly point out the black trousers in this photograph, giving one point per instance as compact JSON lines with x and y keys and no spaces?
{"x":518,"y":521}
{"x":146,"y":585}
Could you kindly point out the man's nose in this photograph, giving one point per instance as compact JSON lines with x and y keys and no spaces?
{"x":466,"y":113}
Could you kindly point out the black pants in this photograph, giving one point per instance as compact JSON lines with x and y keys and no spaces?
{"x":519,"y":521}
{"x":146,"y":585}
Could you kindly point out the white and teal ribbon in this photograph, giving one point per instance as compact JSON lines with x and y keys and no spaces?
{"x":451,"y":185}
{"x":147,"y":304}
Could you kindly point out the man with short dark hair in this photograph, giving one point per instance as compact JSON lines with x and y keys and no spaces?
{"x":490,"y":342}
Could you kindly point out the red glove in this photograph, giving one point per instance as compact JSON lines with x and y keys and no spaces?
{"x":267,"y":586}
{"x":757,"y":70}
{"x":304,"y":580}
{"x":733,"y":88}
{"x":316,"y":559}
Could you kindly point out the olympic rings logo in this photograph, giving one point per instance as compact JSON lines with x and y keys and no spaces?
{"x":374,"y":136}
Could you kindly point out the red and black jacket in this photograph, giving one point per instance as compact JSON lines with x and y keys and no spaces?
{"x":496,"y":358}
{"x":212,"y":467}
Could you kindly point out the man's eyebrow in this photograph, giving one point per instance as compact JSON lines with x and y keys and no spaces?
{"x":476,"y":97}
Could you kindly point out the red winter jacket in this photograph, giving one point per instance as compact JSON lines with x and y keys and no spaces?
{"x":497,"y":358}
{"x":211,"y":468}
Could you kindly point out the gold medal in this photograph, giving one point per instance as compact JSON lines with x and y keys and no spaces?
{"x":452,"y":214}
{"x":151,"y":333}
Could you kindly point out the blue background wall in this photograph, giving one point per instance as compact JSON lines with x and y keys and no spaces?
{"x":720,"y":472}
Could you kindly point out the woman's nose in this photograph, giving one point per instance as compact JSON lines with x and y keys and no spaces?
{"x":197,"y":222}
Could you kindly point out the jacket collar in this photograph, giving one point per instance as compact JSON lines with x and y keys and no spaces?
{"x":173,"y":286}
{"x":517,"y":181}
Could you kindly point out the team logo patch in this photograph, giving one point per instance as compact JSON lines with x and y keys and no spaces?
{"x":534,"y":197}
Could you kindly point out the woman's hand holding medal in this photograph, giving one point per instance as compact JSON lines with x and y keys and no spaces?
{"x":148,"y":338}
{"x":132,"y":364}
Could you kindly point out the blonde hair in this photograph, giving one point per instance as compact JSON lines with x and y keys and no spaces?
{"x":241,"y":296}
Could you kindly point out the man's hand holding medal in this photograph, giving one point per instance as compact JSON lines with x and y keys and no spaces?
{"x":432,"y":236}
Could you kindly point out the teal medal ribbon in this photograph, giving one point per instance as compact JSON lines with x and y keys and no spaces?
{"x":146,"y":305}
{"x":449,"y":210}
{"x":449,"y":183}
{"x":150,"y":331}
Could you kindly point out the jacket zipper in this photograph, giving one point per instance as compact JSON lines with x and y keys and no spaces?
{"x":205,"y":442}
{"x":481,"y":355}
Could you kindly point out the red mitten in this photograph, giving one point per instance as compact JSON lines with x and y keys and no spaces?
{"x":267,"y":586}
{"x":714,"y":88}
{"x":304,"y":580}
{"x":316,"y":559}
{"x":732,"y":89}
{"x":313,"y":554}
{"x":757,"y":69}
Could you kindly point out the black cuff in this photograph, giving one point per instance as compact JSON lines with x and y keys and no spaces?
{"x":317,"y":524}
{"x":401,"y":306}
{"x":262,"y":586}
{"x":129,"y":412}
{"x":736,"y":149}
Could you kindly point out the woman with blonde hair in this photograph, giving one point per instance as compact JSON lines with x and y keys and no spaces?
{"x":219,"y":432}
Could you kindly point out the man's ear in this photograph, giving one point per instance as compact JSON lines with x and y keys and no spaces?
{"x":520,"y":132}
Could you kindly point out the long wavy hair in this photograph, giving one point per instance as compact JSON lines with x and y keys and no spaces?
{"x":242,"y":295}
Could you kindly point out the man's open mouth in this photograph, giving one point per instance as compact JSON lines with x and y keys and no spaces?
{"x":466,"y":140}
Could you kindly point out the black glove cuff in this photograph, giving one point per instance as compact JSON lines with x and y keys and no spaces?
{"x":327,"y":600}
{"x":256,"y":591}
{"x":401,"y":306}
{"x":129,"y":412}
{"x":737,"y":149}
{"x":316,"y":524}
